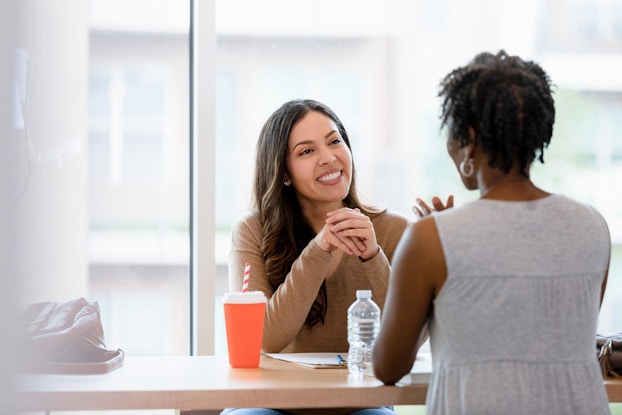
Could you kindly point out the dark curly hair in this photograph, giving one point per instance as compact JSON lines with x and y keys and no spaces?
{"x":509,"y":104}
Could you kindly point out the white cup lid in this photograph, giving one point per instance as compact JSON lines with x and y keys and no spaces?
{"x":250,"y":297}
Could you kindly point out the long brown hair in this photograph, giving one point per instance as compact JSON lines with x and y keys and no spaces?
{"x":286,"y":231}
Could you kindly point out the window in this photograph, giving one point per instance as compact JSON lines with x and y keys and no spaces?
{"x":139,"y":164}
{"x":378,"y":66}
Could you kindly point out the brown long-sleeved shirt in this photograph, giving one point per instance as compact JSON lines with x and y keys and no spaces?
{"x":289,"y":304}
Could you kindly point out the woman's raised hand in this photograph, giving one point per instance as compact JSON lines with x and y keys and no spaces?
{"x":422,"y":209}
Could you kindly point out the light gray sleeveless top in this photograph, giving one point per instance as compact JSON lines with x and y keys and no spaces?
{"x":513,"y":328}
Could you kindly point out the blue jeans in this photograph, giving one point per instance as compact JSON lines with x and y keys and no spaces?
{"x":383,"y":410}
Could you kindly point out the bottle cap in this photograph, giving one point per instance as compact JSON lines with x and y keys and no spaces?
{"x":363,"y":293}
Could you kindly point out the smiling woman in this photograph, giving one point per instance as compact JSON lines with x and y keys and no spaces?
{"x":310,"y":241}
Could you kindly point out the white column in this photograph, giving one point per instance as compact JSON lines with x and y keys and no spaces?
{"x":203,"y":138}
{"x":52,"y":157}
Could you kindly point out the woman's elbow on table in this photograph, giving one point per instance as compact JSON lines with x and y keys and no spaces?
{"x":386,"y":375}
{"x":385,"y":369}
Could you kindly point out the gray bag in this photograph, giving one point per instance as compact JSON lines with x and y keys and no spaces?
{"x":64,"y":337}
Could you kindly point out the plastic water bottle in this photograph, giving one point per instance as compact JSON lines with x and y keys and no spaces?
{"x":363,"y":326}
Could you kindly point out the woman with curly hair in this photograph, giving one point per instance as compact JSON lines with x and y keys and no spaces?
{"x":310,"y":241}
{"x":509,"y":285}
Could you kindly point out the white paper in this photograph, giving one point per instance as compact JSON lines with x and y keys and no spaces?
{"x":315,"y":360}
{"x":420,"y":372}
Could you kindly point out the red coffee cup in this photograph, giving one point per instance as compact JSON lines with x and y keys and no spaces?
{"x":244,"y":321}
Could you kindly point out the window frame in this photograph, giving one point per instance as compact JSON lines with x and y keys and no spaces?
{"x":202,"y":173}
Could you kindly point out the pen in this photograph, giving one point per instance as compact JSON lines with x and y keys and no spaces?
{"x":341,"y":360}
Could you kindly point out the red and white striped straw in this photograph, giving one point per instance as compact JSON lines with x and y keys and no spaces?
{"x":247,"y":274}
